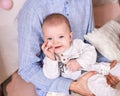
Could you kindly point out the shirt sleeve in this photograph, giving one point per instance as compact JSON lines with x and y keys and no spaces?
{"x":91,"y":24}
{"x":30,"y":55}
{"x":29,"y":42}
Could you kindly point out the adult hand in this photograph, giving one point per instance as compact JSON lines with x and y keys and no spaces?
{"x":80,"y":86}
{"x":6,"y":4}
{"x":111,"y":79}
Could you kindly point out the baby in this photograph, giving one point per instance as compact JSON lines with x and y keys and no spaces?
{"x":71,"y":58}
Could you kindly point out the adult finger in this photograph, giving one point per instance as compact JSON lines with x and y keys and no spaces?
{"x":83,"y":81}
{"x":113,"y":63}
{"x":112,"y":80}
{"x":88,"y":75}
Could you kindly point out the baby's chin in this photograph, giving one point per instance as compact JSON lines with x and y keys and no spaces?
{"x":61,"y":52}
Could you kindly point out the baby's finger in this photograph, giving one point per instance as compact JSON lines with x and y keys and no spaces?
{"x":44,"y":45}
{"x":50,"y":45}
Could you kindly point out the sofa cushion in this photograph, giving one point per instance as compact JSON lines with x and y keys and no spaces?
{"x":106,"y":40}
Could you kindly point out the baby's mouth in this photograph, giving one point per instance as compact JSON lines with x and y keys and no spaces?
{"x":56,"y":47}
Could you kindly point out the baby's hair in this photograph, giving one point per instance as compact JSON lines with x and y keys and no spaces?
{"x":55,"y":19}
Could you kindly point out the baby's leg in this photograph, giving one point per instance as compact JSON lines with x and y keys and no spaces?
{"x":98,"y":85}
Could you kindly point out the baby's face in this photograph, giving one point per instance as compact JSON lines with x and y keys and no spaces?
{"x":58,"y":36}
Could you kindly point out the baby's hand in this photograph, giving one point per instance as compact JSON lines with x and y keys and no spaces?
{"x":48,"y":50}
{"x":73,"y":65}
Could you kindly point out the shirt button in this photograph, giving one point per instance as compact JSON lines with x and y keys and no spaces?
{"x":67,"y":14}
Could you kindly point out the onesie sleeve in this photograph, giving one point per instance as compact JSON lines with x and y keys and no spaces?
{"x":50,"y":68}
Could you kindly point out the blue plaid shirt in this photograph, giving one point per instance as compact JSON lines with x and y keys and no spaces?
{"x":30,"y":38}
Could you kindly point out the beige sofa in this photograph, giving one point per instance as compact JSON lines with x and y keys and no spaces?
{"x":16,"y":86}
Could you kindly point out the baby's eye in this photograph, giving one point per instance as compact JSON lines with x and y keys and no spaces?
{"x":49,"y":38}
{"x":61,"y":36}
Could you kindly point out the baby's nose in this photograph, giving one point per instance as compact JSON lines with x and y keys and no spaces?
{"x":55,"y":42}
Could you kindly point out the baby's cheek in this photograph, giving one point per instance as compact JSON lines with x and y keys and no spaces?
{"x":50,"y":43}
